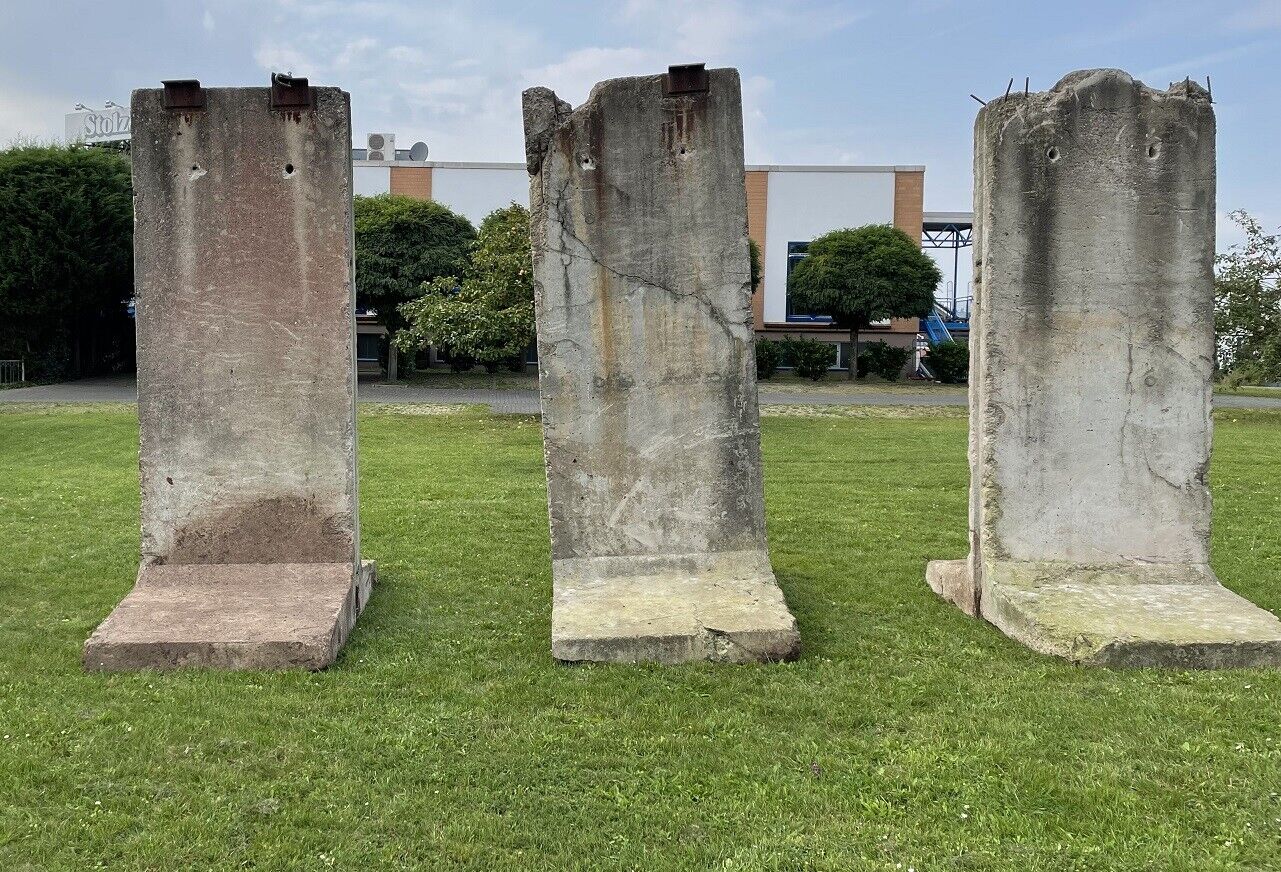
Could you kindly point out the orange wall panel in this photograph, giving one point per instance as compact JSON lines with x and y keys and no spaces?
{"x":412,"y":182}
{"x":909,"y":209}
{"x":757,"y":203}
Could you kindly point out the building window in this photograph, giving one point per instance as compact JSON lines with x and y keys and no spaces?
{"x":796,"y":252}
{"x":367,"y":347}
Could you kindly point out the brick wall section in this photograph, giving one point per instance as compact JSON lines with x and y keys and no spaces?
{"x":412,"y":182}
{"x":909,"y":207}
{"x":757,"y":200}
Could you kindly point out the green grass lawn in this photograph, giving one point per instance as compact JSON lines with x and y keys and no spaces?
{"x":477,"y":379}
{"x":1250,"y":391}
{"x":906,"y":737}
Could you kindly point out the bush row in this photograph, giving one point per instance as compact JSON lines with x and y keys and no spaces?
{"x":812,"y":358}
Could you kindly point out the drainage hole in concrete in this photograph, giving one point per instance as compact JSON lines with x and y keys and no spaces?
{"x":1052,"y":153}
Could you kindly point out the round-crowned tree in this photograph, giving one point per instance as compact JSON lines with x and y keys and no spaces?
{"x":860,"y":275}
{"x":402,"y":243}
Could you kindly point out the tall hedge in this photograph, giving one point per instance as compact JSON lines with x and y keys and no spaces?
{"x":66,"y":260}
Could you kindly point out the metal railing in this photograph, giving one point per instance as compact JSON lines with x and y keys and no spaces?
{"x":13,"y":372}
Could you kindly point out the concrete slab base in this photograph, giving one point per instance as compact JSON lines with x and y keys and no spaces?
{"x":232,"y":616}
{"x":951,"y":579}
{"x":719,"y":607}
{"x":1173,"y":616}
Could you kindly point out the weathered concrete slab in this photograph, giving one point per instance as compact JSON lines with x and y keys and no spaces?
{"x":1092,"y":348}
{"x":647,"y":375}
{"x":246,"y":378}
{"x":232,"y":616}
{"x":953,"y":581}
{"x":1172,"y":616}
{"x":723,"y":607}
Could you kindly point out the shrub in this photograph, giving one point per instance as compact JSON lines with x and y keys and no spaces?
{"x":488,"y":313}
{"x":461,"y":362}
{"x":768,"y":356}
{"x":949,"y":361}
{"x":810,"y":357}
{"x":884,"y":360}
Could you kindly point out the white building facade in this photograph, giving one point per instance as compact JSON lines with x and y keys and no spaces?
{"x":788,"y":206}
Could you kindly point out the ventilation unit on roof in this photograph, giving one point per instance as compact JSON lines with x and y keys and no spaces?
{"x":382,"y":146}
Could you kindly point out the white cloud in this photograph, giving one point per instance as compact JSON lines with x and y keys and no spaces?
{"x":31,"y":115}
{"x":573,"y":76}
{"x":1261,"y":15}
{"x":207,"y":22}
{"x":757,"y":91}
{"x":1196,"y":67}
{"x":719,"y":31}
{"x":282,"y":57}
{"x":361,"y":54}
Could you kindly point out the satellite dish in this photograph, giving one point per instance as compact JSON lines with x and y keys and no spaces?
{"x":418,"y":151}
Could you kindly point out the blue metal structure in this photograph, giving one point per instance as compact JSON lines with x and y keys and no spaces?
{"x":934,"y":327}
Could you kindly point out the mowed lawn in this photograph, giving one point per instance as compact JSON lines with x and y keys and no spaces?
{"x":906,"y":737}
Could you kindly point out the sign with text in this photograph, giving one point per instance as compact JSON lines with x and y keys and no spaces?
{"x":93,"y":126}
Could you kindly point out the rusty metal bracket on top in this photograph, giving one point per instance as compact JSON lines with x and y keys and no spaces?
{"x":686,"y":79}
{"x":183,"y":95}
{"x":290,"y":92}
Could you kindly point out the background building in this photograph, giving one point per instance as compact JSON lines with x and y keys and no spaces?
{"x":787,"y":207}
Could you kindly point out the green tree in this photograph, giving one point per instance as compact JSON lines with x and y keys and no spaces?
{"x":862,"y":275}
{"x":1247,"y":305}
{"x":66,"y":260}
{"x":401,"y":243}
{"x":488,"y":315}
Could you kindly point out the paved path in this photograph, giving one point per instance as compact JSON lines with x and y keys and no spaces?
{"x":124,"y":390}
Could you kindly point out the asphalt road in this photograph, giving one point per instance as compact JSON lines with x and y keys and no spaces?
{"x":124,"y":390}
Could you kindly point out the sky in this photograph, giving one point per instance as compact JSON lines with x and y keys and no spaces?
{"x":824,"y":82}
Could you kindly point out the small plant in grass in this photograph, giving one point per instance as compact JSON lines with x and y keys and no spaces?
{"x":884,"y":360}
{"x":810,"y":357}
{"x":949,"y":361}
{"x":768,"y":356}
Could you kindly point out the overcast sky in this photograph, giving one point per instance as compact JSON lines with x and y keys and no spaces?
{"x":858,"y":81}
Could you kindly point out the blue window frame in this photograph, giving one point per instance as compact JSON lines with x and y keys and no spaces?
{"x":796,"y":251}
